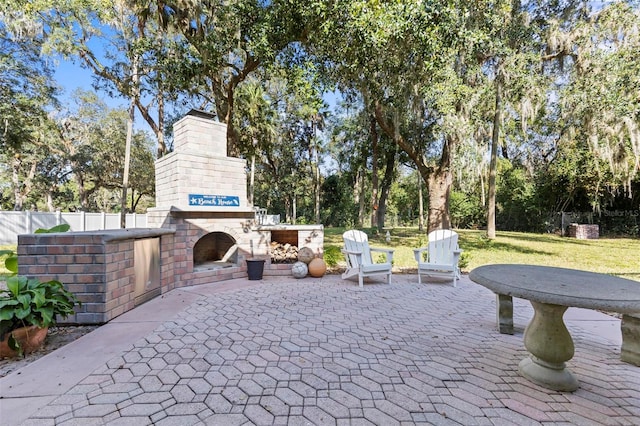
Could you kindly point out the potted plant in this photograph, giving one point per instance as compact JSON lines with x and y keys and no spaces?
{"x":28,"y":307}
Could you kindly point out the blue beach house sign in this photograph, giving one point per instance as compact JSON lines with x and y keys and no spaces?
{"x":214,"y":200}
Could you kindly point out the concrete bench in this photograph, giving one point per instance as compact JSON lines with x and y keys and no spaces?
{"x":551,"y":291}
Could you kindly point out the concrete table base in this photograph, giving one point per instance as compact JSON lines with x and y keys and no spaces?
{"x":550,"y":345}
{"x":630,"y":351}
{"x":504,"y":313}
{"x":548,"y":376}
{"x":630,"y":325}
{"x":551,"y":291}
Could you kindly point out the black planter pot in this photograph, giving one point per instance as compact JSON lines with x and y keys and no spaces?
{"x":255,"y":268}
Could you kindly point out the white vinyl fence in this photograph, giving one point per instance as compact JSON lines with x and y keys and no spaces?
{"x":26,"y":222}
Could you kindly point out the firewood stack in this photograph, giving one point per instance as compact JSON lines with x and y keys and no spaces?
{"x":283,"y":253}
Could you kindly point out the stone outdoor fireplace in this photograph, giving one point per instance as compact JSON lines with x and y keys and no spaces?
{"x":201,"y":231}
{"x":202,"y":194}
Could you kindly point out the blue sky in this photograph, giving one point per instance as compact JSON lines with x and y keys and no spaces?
{"x":71,"y":77}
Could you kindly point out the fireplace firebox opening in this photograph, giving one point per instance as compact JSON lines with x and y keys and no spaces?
{"x":215,"y":250}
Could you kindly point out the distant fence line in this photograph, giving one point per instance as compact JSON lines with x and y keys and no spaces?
{"x":14,"y":223}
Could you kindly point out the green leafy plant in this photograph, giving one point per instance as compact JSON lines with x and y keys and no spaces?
{"x":382,"y":258}
{"x":463,"y":262}
{"x":29,"y":301}
{"x":332,"y":255}
{"x":63,"y":227}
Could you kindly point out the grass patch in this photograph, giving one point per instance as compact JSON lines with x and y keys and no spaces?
{"x":615,"y":256}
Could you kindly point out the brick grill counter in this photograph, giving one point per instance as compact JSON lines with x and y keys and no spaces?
{"x":97,"y":266}
{"x":584,"y":232}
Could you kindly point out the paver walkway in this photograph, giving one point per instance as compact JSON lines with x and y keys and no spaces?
{"x":323,"y":351}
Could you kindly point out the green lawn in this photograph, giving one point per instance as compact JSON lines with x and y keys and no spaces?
{"x":619,"y":256}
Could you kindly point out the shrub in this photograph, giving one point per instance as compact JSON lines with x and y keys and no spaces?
{"x":332,"y":255}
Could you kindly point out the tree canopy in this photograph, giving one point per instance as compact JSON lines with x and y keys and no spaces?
{"x":508,"y":112}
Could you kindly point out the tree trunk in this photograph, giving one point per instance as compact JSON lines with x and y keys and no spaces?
{"x":483,"y":195}
{"x":294,"y":209}
{"x":232,"y":136}
{"x":439,"y":183}
{"x":360,"y":192}
{"x":125,"y":173}
{"x":49,"y":195}
{"x":157,"y":128}
{"x":162,"y":147}
{"x":83,"y":194}
{"x":314,"y":157}
{"x":135,"y":97}
{"x":21,"y":187}
{"x":420,"y":205}
{"x":374,"y":172}
{"x":15,"y":177}
{"x":491,"y":201}
{"x":504,"y":151}
{"x":135,"y":199}
{"x":252,"y":179}
{"x":385,"y":188}
{"x":382,"y":205}
{"x":225,"y":101}
{"x":438,"y":179}
{"x":316,"y":186}
{"x":287,"y":210}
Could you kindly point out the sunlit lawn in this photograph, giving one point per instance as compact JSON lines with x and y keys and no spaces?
{"x":616,"y":256}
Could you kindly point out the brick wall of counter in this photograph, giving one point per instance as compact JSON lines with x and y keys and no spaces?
{"x":98,"y":267}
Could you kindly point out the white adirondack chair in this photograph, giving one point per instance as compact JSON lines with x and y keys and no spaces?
{"x":358,"y":256}
{"x":442,"y":255}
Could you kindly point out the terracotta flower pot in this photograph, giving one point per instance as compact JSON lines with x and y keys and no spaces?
{"x":30,"y":338}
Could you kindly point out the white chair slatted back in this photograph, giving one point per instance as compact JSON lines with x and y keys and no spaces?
{"x":442,"y":243}
{"x":358,"y":241}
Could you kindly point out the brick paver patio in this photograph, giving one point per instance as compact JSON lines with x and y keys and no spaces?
{"x":323,"y":351}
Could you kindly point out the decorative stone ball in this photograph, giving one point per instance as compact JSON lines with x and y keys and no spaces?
{"x":317,"y":267}
{"x":305,"y":254}
{"x":299,"y":270}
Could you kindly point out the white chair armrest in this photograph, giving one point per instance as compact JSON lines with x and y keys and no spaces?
{"x":388,"y":253}
{"x":456,"y":255}
{"x":382,"y":250}
{"x":456,"y":259}
{"x":417,"y":253}
{"x":348,"y":253}
{"x":357,"y":253}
